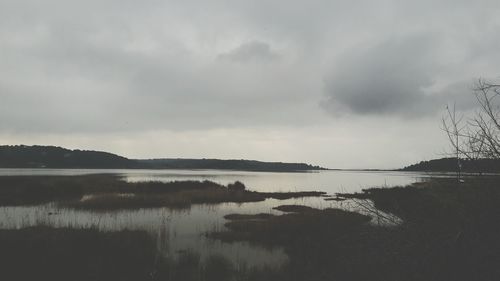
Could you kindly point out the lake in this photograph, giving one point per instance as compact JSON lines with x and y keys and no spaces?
{"x":178,"y":231}
{"x":329,"y":181}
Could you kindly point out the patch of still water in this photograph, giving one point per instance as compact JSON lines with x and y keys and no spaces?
{"x":178,"y":231}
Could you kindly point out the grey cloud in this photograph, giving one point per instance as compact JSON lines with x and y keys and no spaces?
{"x":459,"y":94}
{"x":396,"y":77}
{"x":132,"y":66}
{"x":77,"y":85}
{"x":128,"y":68}
{"x":388,"y":78}
{"x":255,"y":51}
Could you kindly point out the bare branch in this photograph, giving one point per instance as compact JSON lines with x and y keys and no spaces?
{"x":479,"y":135}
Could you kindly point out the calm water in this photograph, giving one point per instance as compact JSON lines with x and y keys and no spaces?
{"x":329,"y":181}
{"x":181,"y":230}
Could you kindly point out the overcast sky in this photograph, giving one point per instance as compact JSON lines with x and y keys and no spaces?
{"x":342,"y":84}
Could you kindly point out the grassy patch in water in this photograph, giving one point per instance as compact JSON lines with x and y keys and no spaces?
{"x":261,"y":216}
{"x":295,"y":208}
{"x":278,"y":230}
{"x":448,"y":231}
{"x":46,"y":253}
{"x":109,"y":192}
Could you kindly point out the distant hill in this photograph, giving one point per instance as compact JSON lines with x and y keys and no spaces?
{"x":450,"y":165}
{"x":22,"y":156}
{"x":242,"y":165}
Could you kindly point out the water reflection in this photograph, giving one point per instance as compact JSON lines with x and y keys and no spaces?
{"x":329,"y":181}
{"x":178,"y":231}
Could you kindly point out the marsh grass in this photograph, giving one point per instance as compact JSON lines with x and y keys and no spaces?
{"x":295,"y":209}
{"x":261,"y":216}
{"x":46,"y":253}
{"x":109,"y":192}
{"x":448,"y":231}
{"x":277,"y":230}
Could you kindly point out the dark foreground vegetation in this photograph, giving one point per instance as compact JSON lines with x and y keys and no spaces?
{"x":109,"y":192}
{"x":22,"y":156}
{"x":44,"y":253}
{"x":447,"y":232}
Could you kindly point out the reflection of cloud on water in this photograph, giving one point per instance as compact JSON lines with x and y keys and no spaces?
{"x":175,"y":231}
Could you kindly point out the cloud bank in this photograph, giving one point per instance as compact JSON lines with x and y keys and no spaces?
{"x":126,"y":68}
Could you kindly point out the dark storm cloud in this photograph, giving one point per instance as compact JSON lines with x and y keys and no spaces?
{"x":387,"y":78}
{"x":395,"y":77}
